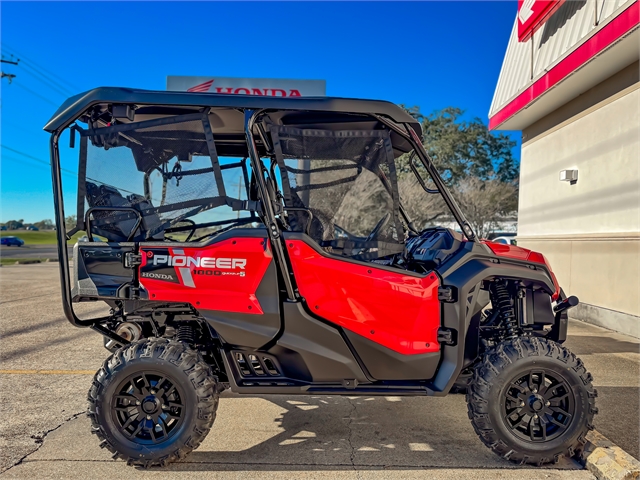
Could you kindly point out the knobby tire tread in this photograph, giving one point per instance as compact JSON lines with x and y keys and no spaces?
{"x":480,"y":394}
{"x":194,"y":367}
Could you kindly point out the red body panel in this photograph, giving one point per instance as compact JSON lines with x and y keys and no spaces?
{"x":223,"y":276}
{"x":509,"y":251}
{"x":398,"y":311}
{"x":519,"y":253}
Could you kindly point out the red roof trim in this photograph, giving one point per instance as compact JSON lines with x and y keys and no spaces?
{"x":611,"y":32}
{"x":524,"y":33}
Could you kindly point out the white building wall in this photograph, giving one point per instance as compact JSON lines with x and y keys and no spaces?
{"x":588,"y":121}
{"x":590,"y":231}
{"x":604,"y":146}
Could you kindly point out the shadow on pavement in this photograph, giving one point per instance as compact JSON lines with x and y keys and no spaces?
{"x":22,"y":351}
{"x":31,"y":328}
{"x":333,"y":433}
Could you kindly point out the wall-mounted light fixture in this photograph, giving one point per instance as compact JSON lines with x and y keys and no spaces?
{"x":570,"y":176}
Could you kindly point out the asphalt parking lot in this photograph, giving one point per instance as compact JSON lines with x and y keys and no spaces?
{"x":47,"y":366}
{"x":31,"y":251}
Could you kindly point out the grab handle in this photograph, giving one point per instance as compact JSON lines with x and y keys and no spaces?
{"x":87,"y":219}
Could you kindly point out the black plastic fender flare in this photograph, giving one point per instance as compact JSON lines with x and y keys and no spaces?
{"x":465,"y":273}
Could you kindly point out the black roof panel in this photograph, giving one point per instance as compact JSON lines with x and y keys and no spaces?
{"x":77,"y":104}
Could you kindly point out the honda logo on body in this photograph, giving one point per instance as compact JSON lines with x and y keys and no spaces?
{"x":200,"y":262}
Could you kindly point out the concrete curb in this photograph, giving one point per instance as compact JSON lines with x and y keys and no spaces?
{"x":607,"y":461}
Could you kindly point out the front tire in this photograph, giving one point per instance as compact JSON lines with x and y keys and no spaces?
{"x":531,"y":401}
{"x":153,"y":402}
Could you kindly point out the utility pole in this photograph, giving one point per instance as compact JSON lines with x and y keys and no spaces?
{"x":10,"y":76}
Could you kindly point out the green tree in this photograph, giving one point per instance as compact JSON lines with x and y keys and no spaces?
{"x":44,"y":224}
{"x":477,"y":165}
{"x":485,"y":202}
{"x":14,"y":224}
{"x":462,"y":149}
{"x":70,"y":222}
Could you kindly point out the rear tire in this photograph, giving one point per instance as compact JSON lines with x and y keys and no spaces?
{"x":153,"y":402}
{"x":531,"y":401}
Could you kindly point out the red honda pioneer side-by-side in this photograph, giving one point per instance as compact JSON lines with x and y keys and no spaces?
{"x":263,"y":244}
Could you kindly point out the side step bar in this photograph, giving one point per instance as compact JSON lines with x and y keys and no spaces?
{"x":261,"y":389}
{"x":273,"y":384}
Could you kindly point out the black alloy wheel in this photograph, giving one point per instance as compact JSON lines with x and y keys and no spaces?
{"x":153,"y":402}
{"x":538,"y":406}
{"x":148,"y":407}
{"x":531,"y":400}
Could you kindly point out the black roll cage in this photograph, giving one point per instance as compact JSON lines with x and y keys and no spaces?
{"x":268,"y":213}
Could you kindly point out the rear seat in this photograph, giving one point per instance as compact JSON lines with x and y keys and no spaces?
{"x":107,"y":196}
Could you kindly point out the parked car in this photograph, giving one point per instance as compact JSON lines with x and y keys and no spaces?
{"x":498,"y":233}
{"x":33,"y":228}
{"x":11,"y":241}
{"x":505,"y":240}
{"x":3,"y":228}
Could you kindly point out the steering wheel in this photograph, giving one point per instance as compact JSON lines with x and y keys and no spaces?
{"x":379,"y":226}
{"x":342,"y":233}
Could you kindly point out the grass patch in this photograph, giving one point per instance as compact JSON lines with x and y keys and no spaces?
{"x":13,"y":261}
{"x":43,"y":237}
{"x":182,"y":236}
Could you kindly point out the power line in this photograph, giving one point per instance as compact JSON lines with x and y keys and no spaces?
{"x":64,"y":170}
{"x":37,"y":95}
{"x":39,"y":164}
{"x":36,"y":71}
{"x":35,"y":64}
{"x":25,"y":154}
{"x":48,"y":82}
{"x":39,"y":160}
{"x":6,"y":124}
{"x":67,"y":90}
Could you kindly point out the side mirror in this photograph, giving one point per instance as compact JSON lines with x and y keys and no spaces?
{"x":414,"y":168}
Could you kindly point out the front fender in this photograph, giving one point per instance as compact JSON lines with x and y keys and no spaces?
{"x":465,"y":273}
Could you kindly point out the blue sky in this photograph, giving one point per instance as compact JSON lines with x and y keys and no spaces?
{"x":430,"y":54}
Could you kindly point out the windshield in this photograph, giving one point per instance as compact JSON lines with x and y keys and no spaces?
{"x":338,"y":176}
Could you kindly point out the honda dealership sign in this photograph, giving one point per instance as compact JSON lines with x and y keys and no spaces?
{"x":270,"y":87}
{"x":532,"y":14}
